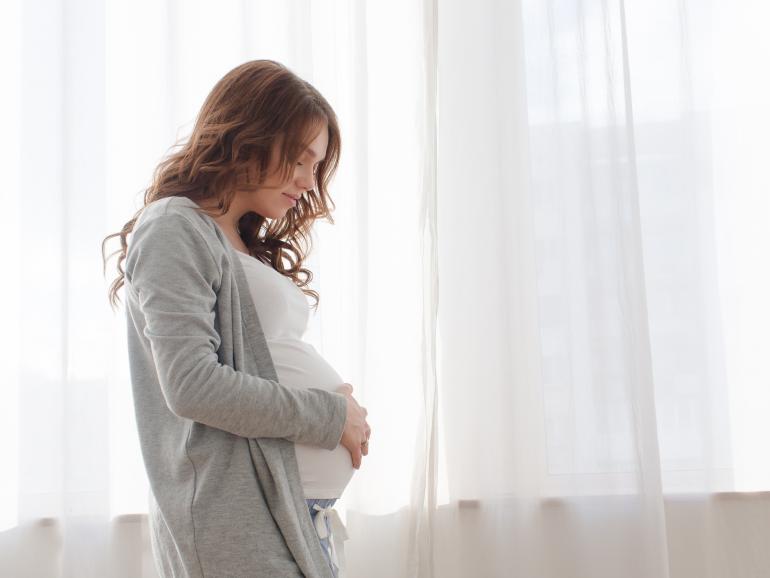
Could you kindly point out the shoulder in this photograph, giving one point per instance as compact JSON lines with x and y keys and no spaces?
{"x":174,"y":226}
{"x":184,"y":215}
{"x":172,"y":208}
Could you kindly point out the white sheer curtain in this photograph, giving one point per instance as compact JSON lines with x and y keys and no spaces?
{"x":552,"y":213}
{"x":602,"y":235}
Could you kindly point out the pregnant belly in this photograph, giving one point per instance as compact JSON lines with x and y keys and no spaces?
{"x":324,"y":473}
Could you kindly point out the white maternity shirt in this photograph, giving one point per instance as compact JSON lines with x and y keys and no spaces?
{"x":283,"y":311}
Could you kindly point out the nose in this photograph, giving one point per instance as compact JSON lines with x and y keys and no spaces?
{"x":305,"y":178}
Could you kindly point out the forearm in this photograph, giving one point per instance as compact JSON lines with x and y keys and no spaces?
{"x":250,"y":406}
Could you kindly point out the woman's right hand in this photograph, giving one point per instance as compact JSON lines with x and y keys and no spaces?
{"x":356,"y":430}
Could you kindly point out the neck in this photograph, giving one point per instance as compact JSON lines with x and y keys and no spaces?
{"x":229,"y":221}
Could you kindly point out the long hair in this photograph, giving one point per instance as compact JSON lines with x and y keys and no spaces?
{"x":247,"y":110}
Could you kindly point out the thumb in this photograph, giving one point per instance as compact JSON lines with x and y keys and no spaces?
{"x":345,"y":388}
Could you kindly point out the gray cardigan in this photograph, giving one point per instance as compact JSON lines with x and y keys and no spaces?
{"x":216,"y":429}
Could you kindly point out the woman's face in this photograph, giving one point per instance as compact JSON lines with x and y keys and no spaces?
{"x":274,"y":198}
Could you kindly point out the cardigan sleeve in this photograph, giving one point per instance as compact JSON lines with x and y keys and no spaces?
{"x":175,"y":277}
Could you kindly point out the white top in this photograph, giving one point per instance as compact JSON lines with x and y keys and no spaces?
{"x":283,"y":311}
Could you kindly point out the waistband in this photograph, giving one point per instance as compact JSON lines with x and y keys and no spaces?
{"x":338,"y":530}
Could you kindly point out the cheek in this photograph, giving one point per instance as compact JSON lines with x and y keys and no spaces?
{"x":278,"y":180}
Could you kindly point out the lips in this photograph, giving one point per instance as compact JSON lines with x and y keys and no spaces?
{"x":294,"y":198}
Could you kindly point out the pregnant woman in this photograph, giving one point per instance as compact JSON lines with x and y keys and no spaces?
{"x":248,"y":435}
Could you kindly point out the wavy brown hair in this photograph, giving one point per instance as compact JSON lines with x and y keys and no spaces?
{"x":254,"y":105}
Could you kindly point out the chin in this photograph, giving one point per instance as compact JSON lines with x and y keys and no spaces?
{"x":271,"y":212}
{"x":277,"y":214}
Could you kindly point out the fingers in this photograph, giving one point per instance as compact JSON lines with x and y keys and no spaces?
{"x":365,"y":447}
{"x":356,"y":457}
{"x":356,"y":453}
{"x":367,"y":433}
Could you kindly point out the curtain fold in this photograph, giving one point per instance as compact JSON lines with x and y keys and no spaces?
{"x":546,"y":278}
{"x":423,"y":498}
